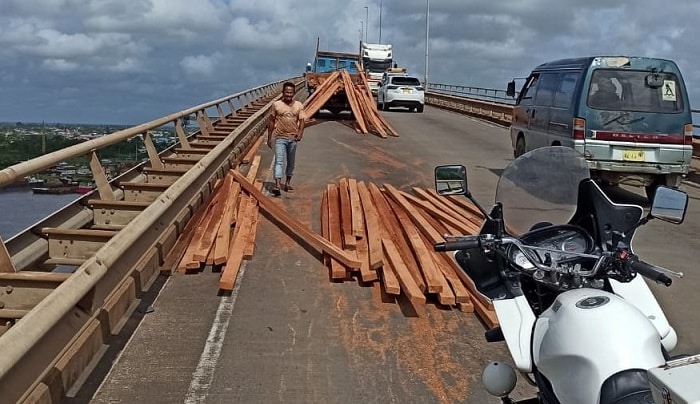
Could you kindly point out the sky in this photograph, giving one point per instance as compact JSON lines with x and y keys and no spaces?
{"x":128,"y":62}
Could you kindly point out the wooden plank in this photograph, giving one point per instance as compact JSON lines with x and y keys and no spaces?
{"x":293,"y":225}
{"x":223,"y":235}
{"x":461,"y":293}
{"x":467,"y":215}
{"x":409,"y":287}
{"x":187,"y":262}
{"x":430,"y":272}
{"x":418,"y":220}
{"x":352,"y":100}
{"x":390,"y":223}
{"x":238,"y":245}
{"x":254,"y":219}
{"x":374,"y":235}
{"x":206,"y":243}
{"x":358,"y":222}
{"x":445,"y":209}
{"x":253,"y":170}
{"x":253,"y":149}
{"x":390,"y":280}
{"x":465,"y":204}
{"x":349,"y":241}
{"x":427,"y":206}
{"x":367,"y":274}
{"x":334,"y":231}
{"x":325,"y":225}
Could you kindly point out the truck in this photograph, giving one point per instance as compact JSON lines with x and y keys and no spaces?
{"x":325,"y":63}
{"x":376,"y":59}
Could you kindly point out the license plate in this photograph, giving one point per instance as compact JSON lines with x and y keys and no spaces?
{"x":633,"y":155}
{"x":407,"y":91}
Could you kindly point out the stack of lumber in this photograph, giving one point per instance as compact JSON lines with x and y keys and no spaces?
{"x":392,"y":233}
{"x":375,"y":235}
{"x":359,"y":97}
{"x":222,"y":233}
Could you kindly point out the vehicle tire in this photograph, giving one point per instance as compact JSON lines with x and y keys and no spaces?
{"x":669,"y":180}
{"x":519,"y":147}
{"x":420,"y":109}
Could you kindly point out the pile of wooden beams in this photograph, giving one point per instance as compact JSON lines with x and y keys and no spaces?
{"x":392,"y":233}
{"x":371,"y":234}
{"x":222,"y":233}
{"x":359,"y":97}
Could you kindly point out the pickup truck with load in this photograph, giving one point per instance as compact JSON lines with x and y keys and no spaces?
{"x":325,"y":63}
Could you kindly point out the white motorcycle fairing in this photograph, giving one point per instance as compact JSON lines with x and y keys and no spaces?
{"x":577,"y":352}
{"x":638,"y":294}
{"x":516,"y":319}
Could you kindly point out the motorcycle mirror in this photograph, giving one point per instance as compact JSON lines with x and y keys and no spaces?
{"x":669,"y":205}
{"x":451,"y":180}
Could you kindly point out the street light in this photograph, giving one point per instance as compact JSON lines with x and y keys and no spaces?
{"x":427,"y":37}
{"x":366,"y":22}
{"x":380,"y":20}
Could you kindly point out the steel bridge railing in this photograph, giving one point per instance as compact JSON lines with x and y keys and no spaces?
{"x":490,"y":96}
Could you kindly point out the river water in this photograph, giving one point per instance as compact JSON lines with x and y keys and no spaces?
{"x":20,"y":209}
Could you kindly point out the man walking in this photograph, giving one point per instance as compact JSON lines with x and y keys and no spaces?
{"x":285,"y":127}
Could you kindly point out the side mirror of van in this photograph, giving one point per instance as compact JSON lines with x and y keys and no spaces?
{"x":510,"y":90}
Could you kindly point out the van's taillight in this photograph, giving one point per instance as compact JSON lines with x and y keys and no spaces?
{"x":578,"y":131}
{"x":688,"y":134}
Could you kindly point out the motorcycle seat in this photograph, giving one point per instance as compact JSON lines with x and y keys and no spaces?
{"x":627,"y":387}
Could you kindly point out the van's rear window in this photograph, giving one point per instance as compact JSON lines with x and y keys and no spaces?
{"x":635,"y":90}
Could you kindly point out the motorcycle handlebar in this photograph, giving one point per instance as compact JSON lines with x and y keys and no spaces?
{"x":651,"y":272}
{"x":464,"y":244}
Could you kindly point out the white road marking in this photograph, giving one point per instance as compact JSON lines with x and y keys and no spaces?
{"x":204,"y":374}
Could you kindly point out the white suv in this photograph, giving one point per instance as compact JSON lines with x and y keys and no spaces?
{"x":401,"y":91}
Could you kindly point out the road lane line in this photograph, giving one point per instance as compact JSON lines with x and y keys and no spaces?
{"x":204,"y":374}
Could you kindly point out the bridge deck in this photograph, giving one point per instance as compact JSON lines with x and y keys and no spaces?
{"x":288,"y":334}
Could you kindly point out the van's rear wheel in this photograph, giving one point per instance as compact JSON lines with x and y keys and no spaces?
{"x":669,"y":180}
{"x":519,"y":147}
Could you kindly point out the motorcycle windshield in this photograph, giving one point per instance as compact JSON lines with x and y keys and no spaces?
{"x":541,"y":186}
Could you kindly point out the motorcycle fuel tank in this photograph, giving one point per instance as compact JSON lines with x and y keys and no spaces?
{"x":588,"y":335}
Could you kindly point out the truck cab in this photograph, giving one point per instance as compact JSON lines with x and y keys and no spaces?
{"x":376,"y":59}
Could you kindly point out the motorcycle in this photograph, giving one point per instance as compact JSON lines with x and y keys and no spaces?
{"x":554,"y":256}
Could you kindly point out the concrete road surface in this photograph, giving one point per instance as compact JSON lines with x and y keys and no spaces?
{"x":289,"y":334}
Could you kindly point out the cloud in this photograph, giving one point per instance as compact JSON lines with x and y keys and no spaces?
{"x":200,"y":67}
{"x":131,"y":60}
{"x":59,"y":65}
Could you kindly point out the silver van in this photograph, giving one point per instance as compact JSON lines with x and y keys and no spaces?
{"x":629,"y":116}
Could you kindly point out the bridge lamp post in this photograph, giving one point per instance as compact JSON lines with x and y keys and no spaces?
{"x":427,"y":38}
{"x":366,"y":22}
{"x":380,"y":20}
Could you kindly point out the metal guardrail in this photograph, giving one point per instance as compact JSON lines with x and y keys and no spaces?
{"x":44,"y":352}
{"x":500,"y":97}
{"x":233,"y":102}
{"x":478,"y":93}
{"x":450,"y":97}
{"x":493,"y":111}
